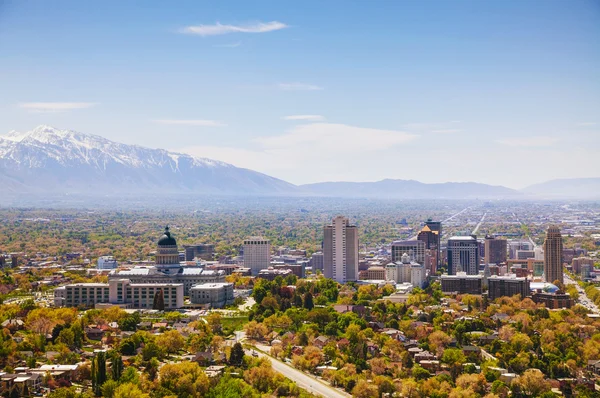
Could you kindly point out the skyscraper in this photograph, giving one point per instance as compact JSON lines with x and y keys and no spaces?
{"x":431,"y":234}
{"x":414,"y":248}
{"x":495,"y":250}
{"x":257,"y":253}
{"x":340,"y":250}
{"x":553,"y":255}
{"x":463,"y":255}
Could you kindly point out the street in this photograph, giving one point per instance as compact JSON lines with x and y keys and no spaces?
{"x":583,"y":298}
{"x":307,"y":382}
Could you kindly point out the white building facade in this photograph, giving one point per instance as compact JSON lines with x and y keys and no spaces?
{"x":257,"y":254}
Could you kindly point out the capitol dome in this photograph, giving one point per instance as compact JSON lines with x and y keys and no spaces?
{"x":167,"y":239}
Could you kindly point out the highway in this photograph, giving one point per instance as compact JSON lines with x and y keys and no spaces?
{"x":310,"y":383}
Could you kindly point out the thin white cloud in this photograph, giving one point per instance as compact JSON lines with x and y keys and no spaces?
{"x":446,"y":131}
{"x":327,"y":150}
{"x":228,"y":45}
{"x":587,"y":124}
{"x":336,"y":137}
{"x":529,"y":142}
{"x":189,"y":122}
{"x":435,"y":127}
{"x":220,"y":29}
{"x":50,"y":107}
{"x":298,"y":87}
{"x":308,"y":118}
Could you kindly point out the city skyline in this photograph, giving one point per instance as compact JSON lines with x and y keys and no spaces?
{"x":310,"y":97}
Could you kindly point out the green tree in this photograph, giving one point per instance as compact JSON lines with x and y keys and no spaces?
{"x":159,"y":301}
{"x":236,"y":358}
{"x":454,"y":358}
{"x":116,"y":365}
{"x":98,"y":372}
{"x":308,"y":301}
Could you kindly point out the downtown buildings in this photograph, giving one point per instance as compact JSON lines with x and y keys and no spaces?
{"x":257,"y":254}
{"x":431,"y":236}
{"x":463,"y":255}
{"x":137,"y":287}
{"x":495,"y":250}
{"x":340,"y":250}
{"x":553,"y":255}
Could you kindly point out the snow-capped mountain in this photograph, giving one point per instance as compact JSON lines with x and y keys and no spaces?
{"x":52,"y":160}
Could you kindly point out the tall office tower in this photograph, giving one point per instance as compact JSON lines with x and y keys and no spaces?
{"x":257,"y":254}
{"x":463,"y":255}
{"x":414,"y":248}
{"x":340,"y":250}
{"x":495,"y":250}
{"x":431,"y":234}
{"x":553,"y":255}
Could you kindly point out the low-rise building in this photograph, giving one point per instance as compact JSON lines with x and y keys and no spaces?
{"x":271,"y":273}
{"x":215,"y":294}
{"x":107,"y":262}
{"x":500,"y":286}
{"x":119,"y":292}
{"x":374,"y":273}
{"x":461,"y":283}
{"x":553,"y":300}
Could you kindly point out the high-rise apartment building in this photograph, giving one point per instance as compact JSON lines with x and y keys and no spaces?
{"x":463,"y":255}
{"x":495,"y":250}
{"x":431,"y":234}
{"x":414,"y":248}
{"x":553,"y":255}
{"x":257,"y":254}
{"x":340,"y":250}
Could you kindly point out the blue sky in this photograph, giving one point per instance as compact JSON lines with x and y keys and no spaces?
{"x":504,"y":92}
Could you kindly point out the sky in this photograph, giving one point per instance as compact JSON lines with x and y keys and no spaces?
{"x":499,"y":92}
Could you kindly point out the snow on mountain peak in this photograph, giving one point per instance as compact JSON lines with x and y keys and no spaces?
{"x":66,"y":146}
{"x":54,"y":159}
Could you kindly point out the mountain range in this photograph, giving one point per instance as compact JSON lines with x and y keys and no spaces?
{"x":49,"y":160}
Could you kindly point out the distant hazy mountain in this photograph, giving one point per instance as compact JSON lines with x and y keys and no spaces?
{"x":409,"y":189}
{"x":567,"y":187}
{"x":48,"y":160}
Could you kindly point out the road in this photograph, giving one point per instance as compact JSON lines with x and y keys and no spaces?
{"x":487,"y":355}
{"x":310,"y":383}
{"x":528,"y":236}
{"x":583,"y":298}
{"x":479,"y":224}
{"x":454,"y":215}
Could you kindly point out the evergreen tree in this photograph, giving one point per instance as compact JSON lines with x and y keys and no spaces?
{"x":308,"y":301}
{"x":116,"y":365}
{"x":159,"y":301}
{"x":98,"y":372}
{"x":237,"y":355}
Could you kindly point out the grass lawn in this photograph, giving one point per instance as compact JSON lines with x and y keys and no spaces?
{"x":232,"y":324}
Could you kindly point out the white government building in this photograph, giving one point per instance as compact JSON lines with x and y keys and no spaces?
{"x":136,"y":287}
{"x":406,"y":271}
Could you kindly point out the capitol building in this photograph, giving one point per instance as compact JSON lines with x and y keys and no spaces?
{"x":136,"y":287}
{"x":167,"y":269}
